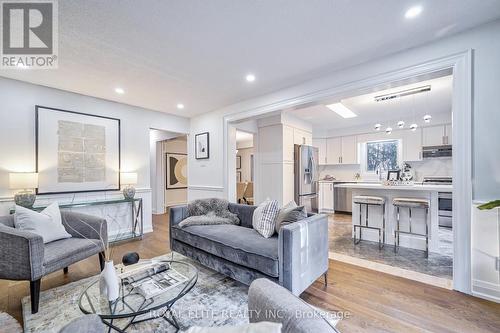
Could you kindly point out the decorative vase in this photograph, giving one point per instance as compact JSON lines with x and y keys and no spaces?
{"x":108,"y":282}
{"x":25,"y":199}
{"x":129,"y":192}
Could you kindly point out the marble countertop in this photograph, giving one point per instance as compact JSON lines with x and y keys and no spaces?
{"x":416,"y":187}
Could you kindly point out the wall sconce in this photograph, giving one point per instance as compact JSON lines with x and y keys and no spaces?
{"x":27,"y":182}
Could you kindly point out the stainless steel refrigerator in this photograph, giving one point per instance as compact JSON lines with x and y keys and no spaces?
{"x":306,"y":177}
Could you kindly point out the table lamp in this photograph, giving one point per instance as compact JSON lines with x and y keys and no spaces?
{"x":128,"y":179}
{"x":27,"y":182}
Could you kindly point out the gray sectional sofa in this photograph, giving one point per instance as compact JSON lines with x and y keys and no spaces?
{"x":294,"y":258}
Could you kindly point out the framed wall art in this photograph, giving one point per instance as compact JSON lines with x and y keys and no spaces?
{"x":176,"y":171}
{"x":76,"y":152}
{"x":238,"y":162}
{"x":202,"y":146}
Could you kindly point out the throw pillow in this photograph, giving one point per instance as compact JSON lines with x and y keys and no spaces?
{"x":290,"y":213}
{"x":264,"y":218}
{"x":262,"y":327}
{"x":47,"y":223}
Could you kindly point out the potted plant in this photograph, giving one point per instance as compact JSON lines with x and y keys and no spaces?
{"x":489,"y":205}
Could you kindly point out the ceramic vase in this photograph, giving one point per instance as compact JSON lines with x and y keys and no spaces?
{"x":108,"y":282}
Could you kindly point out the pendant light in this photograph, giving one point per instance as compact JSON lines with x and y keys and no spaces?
{"x":414,"y":125}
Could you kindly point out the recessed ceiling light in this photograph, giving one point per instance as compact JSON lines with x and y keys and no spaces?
{"x":119,"y":91}
{"x":180,"y":106}
{"x":250,"y":78}
{"x":413,"y":12}
{"x":341,"y":110}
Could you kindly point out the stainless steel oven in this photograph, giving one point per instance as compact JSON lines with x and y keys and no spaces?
{"x":445,"y":201}
{"x":445,"y":209}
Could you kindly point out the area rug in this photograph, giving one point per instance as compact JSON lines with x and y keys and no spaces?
{"x":215,"y":300}
{"x":9,"y":324}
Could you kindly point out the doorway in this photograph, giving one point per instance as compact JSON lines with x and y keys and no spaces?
{"x":461,"y":65}
{"x":168,"y":169}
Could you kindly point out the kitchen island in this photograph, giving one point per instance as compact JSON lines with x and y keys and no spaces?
{"x":389,"y":192}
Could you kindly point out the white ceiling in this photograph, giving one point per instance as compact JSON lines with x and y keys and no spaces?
{"x":435,"y":102}
{"x":198,"y":52}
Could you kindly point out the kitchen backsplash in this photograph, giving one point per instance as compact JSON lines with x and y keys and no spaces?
{"x":421,"y":169}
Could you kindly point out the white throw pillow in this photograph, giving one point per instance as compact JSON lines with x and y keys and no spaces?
{"x":264,"y":218}
{"x":47,"y":223}
{"x":262,"y":327}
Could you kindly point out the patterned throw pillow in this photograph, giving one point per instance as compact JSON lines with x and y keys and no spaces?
{"x":264,"y":218}
{"x":290,"y":213}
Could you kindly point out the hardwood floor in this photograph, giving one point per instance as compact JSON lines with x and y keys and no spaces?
{"x":371,"y":301}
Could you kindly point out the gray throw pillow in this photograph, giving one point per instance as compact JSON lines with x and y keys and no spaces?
{"x":290,"y":215}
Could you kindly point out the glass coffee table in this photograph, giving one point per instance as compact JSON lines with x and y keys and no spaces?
{"x":138,"y":303}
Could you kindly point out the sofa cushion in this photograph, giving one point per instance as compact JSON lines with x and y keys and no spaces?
{"x":243,"y":246}
{"x":64,"y":252}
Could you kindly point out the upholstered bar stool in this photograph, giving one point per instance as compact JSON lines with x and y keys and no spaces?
{"x":411,"y":203}
{"x":369,"y":201}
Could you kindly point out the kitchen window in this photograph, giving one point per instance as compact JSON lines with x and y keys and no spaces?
{"x":383,"y":153}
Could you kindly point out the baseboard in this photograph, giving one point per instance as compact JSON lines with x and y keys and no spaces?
{"x":486,"y":290}
{"x":395,"y":271}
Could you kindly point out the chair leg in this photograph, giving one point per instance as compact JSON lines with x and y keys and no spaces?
{"x":101,"y":260}
{"x":35,"y":295}
{"x":65,"y":270}
{"x":326,"y":278}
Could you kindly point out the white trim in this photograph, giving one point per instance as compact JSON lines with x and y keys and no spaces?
{"x":206,"y":188}
{"x":486,"y":290}
{"x":462,"y":141}
{"x":396,"y":271}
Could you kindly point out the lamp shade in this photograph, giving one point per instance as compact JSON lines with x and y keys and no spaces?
{"x":128,"y":178}
{"x":23,"y":180}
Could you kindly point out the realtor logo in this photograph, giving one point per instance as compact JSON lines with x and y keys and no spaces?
{"x":29,"y":34}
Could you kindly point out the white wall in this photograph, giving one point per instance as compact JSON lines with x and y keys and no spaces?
{"x":486,"y":79}
{"x":246,"y":163}
{"x":157,"y":180}
{"x":17,"y":133}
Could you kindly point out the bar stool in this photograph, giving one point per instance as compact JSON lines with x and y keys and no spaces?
{"x":411,"y":203}
{"x":369,"y":201}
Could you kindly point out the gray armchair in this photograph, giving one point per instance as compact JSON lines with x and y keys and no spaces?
{"x":24,"y":256}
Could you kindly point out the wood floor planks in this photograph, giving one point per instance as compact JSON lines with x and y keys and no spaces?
{"x":376,"y":302}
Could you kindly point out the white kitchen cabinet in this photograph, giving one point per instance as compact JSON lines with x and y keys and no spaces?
{"x":326,"y":197}
{"x":412,"y":145}
{"x":333,"y":150}
{"x":321,"y":145}
{"x":433,"y":135}
{"x":301,"y":137}
{"x":342,"y":150}
{"x":349,"y":150}
{"x":448,"y":134}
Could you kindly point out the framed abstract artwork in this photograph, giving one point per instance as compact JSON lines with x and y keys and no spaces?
{"x":76,"y":152}
{"x":202,"y":146}
{"x":176,"y":171}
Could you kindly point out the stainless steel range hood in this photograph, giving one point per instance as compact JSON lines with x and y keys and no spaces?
{"x":437,"y":151}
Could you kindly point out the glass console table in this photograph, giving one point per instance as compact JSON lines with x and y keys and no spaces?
{"x":136,"y":209}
